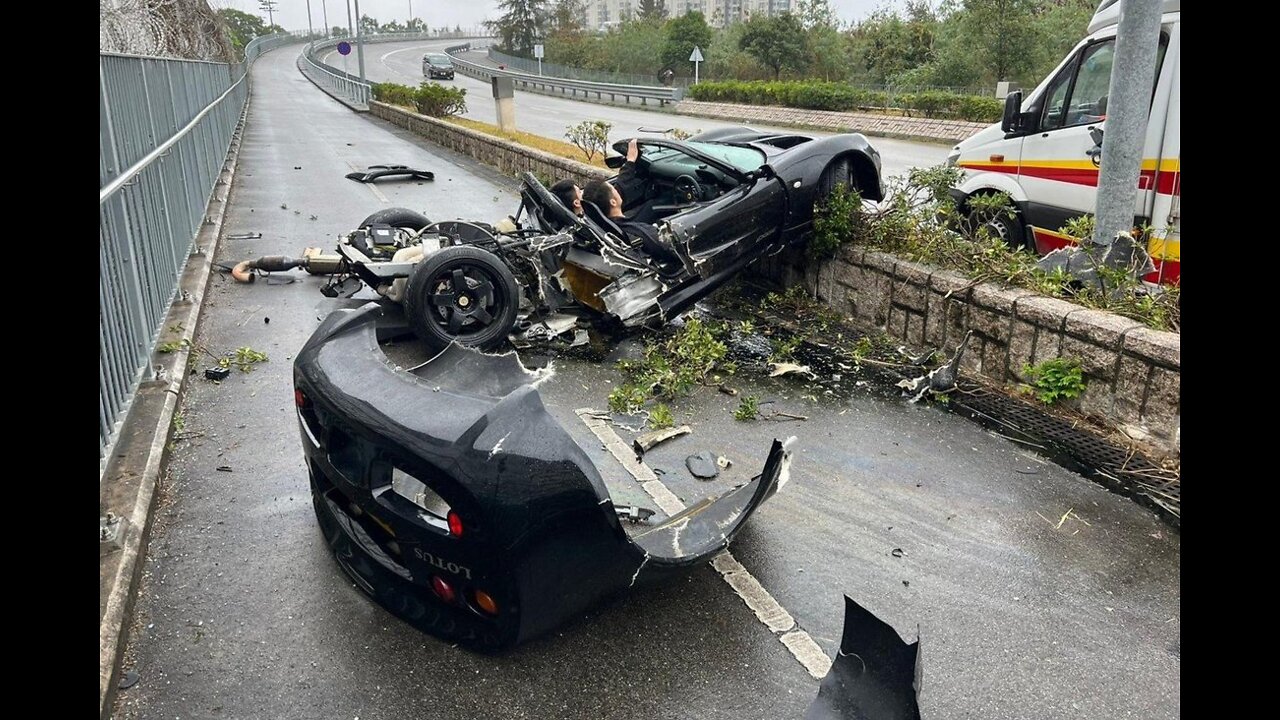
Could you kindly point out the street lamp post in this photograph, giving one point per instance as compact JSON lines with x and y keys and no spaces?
{"x":359,"y":42}
{"x":310,"y":31}
{"x":325,"y":7}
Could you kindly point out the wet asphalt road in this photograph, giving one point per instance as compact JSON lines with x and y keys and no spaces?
{"x":244,"y":614}
{"x":550,"y":116}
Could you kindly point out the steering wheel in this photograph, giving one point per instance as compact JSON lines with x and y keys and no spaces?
{"x":686,"y":189}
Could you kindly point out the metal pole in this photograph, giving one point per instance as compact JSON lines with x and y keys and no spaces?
{"x":324,"y":5}
{"x":1128,"y":106}
{"x":310,"y":31}
{"x":359,"y":43}
{"x":351,"y":28}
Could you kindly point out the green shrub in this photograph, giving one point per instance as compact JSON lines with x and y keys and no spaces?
{"x":437,"y":100}
{"x":1056,"y":379}
{"x":590,"y":136}
{"x":393,"y":94}
{"x":836,"y":221}
{"x":816,"y":95}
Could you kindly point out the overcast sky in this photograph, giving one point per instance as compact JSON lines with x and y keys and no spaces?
{"x":292,"y":14}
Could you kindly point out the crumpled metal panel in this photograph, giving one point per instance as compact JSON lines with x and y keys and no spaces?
{"x":875,"y":676}
{"x":540,"y":537}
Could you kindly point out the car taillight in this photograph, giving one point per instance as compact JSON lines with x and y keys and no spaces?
{"x":485,"y":602}
{"x":455,"y":524}
{"x":300,"y":398}
{"x":442,"y":589}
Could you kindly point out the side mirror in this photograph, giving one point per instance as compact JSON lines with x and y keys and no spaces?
{"x":766,"y":172}
{"x":615,"y":161}
{"x":1012,"y":119}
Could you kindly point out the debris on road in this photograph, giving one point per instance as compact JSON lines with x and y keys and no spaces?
{"x":941,"y":379}
{"x":377,"y":172}
{"x":703,"y":465}
{"x":777,"y":369}
{"x":128,"y":679}
{"x":651,"y":439}
{"x":217,"y":373}
{"x":875,"y":675}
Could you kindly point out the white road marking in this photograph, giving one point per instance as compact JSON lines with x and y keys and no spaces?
{"x":766,"y":608}
{"x":372,"y":188}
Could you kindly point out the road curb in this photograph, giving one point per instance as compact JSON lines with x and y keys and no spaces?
{"x":119,"y":584}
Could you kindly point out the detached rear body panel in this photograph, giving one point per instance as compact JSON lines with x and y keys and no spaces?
{"x":452,"y":496}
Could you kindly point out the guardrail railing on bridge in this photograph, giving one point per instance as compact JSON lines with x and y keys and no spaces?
{"x":340,"y":83}
{"x":165,"y":128}
{"x":548,"y":84}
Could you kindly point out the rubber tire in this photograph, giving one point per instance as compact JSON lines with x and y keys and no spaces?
{"x":417,"y":303}
{"x":1007,"y":225}
{"x":397,"y":217}
{"x":839,"y":171}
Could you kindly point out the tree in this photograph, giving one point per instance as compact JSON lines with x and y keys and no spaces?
{"x":888,"y":44}
{"x":392,"y":27}
{"x":652,"y":10}
{"x":336,"y":31}
{"x":242,"y":27}
{"x":367,"y":25}
{"x":567,"y":15}
{"x":522,"y":24}
{"x":683,"y":35}
{"x":777,"y":42}
{"x":816,"y":14}
{"x":998,"y":31}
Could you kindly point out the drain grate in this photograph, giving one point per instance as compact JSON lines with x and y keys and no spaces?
{"x":1119,"y":469}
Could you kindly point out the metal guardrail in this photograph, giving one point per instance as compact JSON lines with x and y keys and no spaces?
{"x":165,"y":126}
{"x":574,"y":73}
{"x":341,"y":83}
{"x":546,"y":84}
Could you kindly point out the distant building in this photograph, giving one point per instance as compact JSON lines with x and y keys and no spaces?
{"x":605,"y":14}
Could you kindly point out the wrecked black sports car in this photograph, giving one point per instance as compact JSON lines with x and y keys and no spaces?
{"x":719,"y":201}
{"x":452,"y":495}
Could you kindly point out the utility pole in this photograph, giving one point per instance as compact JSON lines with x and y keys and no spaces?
{"x":324,"y":5}
{"x":270,"y":7}
{"x":1128,"y":107}
{"x":359,"y":42}
{"x":310,"y":31}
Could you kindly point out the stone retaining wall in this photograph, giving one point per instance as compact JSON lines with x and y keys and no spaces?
{"x":1132,"y":372}
{"x":509,"y":157}
{"x":911,"y":128}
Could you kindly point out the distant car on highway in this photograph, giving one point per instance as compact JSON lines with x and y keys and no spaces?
{"x":437,"y":65}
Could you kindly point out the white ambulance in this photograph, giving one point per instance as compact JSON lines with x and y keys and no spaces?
{"x":1045,"y":154}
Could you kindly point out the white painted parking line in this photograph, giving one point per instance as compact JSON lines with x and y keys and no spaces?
{"x":766,"y":608}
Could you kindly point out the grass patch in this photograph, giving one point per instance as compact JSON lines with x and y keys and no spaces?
{"x":555,"y":147}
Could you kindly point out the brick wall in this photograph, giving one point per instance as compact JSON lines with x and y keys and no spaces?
{"x":929,"y":129}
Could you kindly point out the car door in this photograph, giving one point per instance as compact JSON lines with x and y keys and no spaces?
{"x":737,"y":227}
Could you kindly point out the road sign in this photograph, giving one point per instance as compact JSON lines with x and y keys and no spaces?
{"x":344,"y":48}
{"x":537,"y":51}
{"x":695,"y":57}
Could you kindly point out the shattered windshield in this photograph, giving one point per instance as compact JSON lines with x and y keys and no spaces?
{"x":739,"y":157}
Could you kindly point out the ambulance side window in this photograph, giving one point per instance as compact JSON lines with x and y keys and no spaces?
{"x":1079,"y":94}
